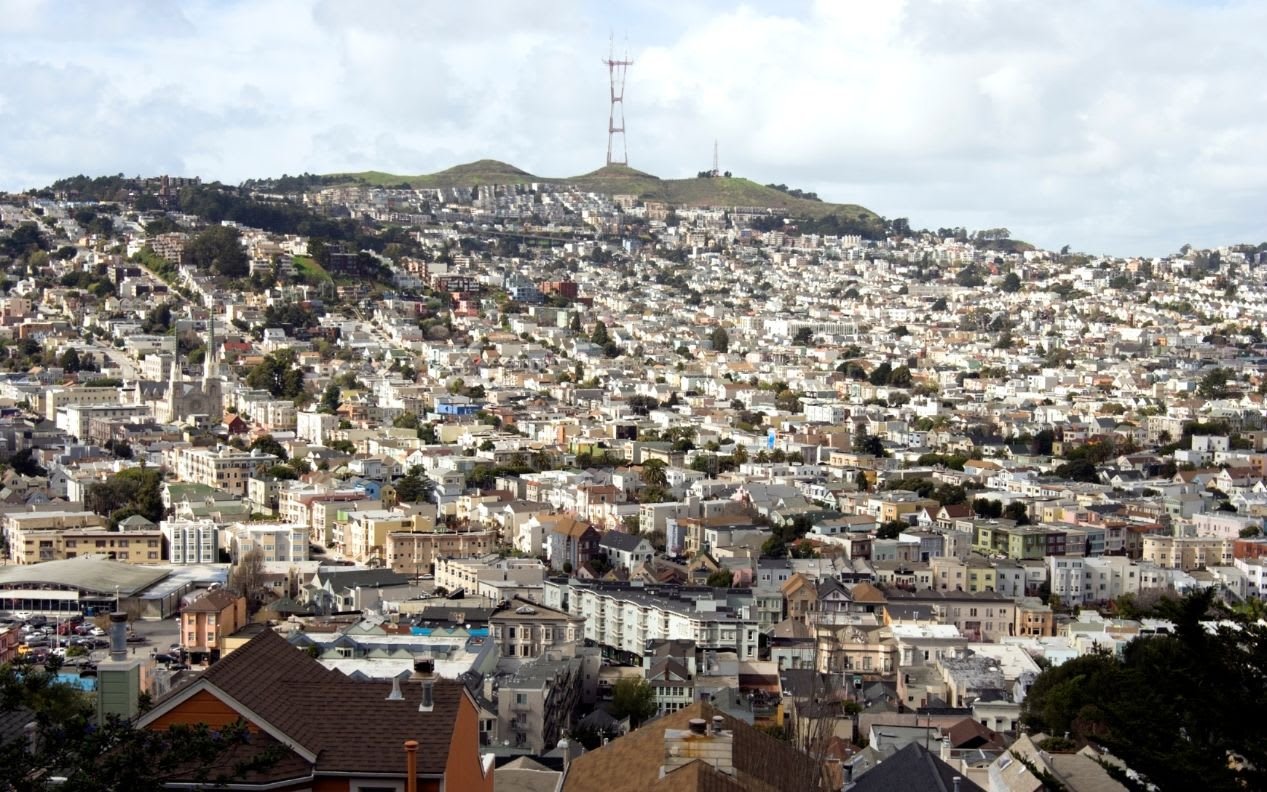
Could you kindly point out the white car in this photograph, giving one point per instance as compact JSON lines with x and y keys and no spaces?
{"x":97,"y":631}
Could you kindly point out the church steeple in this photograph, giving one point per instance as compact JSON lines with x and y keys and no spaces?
{"x":209,"y":359}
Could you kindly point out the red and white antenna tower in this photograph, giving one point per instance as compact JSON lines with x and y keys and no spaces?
{"x":616,"y":115}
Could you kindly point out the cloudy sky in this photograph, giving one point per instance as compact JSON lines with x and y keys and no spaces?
{"x":1123,"y":126}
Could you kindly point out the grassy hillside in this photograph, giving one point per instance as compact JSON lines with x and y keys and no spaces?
{"x":621,"y":179}
{"x":472,"y":174}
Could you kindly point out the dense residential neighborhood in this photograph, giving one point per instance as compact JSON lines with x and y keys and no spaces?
{"x":569,"y":488}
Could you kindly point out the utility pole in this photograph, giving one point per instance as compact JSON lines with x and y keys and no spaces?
{"x":616,"y":112}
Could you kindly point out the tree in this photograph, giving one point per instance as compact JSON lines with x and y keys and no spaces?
{"x":950,"y":494}
{"x":720,"y":339}
{"x":803,"y":337}
{"x":330,"y":399}
{"x":69,"y":360}
{"x":24,"y":462}
{"x":1078,"y":470}
{"x":415,"y":486}
{"x":133,"y":491}
{"x":870,"y":444}
{"x":1169,"y":706}
{"x":653,"y":473}
{"x":246,"y":579}
{"x":218,"y":249}
{"x":984,"y":507}
{"x":111,"y":755}
{"x":969,"y":277}
{"x":1214,"y":384}
{"x":880,"y":374}
{"x":599,"y":335}
{"x":633,"y":698}
{"x":25,"y":239}
{"x":901,"y":377}
{"x":891,"y":529}
{"x":277,"y":374}
{"x":1016,"y":511}
{"x":266,"y":444}
{"x":722,"y":578}
{"x":1011,"y":283}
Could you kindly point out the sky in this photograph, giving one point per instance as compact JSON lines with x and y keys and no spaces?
{"x":1123,"y":127}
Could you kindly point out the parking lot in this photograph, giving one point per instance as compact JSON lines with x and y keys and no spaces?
{"x":44,"y":637}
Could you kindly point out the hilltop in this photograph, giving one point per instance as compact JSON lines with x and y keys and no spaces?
{"x":622,"y":179}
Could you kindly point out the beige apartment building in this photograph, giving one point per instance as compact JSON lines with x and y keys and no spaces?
{"x":1186,"y":552}
{"x":412,"y":552}
{"x":38,"y":536}
{"x":225,"y":468}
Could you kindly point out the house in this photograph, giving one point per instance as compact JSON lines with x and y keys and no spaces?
{"x":625,"y":551}
{"x":571,"y":542}
{"x":801,"y":597}
{"x":205,"y":622}
{"x":291,"y":704}
{"x":527,"y":629}
{"x":696,"y":748}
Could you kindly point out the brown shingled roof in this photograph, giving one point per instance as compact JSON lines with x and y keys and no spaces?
{"x":347,"y":724}
{"x":211,"y":602}
{"x":632,"y":763}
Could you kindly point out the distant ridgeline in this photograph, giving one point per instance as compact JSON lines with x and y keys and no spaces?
{"x":269,"y":203}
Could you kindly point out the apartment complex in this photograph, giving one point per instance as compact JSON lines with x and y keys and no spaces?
{"x":225,"y":468}
{"x":191,"y":541}
{"x":414,"y":552}
{"x":280,"y":543}
{"x":623,"y":617}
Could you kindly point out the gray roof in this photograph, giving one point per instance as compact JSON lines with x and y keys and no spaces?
{"x":95,"y":575}
{"x":914,"y":768}
{"x":367,"y":578}
{"x":619,"y":540}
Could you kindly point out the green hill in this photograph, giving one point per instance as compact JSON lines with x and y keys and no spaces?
{"x":622,"y":179}
{"x":472,"y":174}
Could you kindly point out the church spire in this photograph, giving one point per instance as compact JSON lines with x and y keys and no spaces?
{"x":209,"y":359}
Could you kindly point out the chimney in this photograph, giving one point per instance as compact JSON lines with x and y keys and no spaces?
{"x":424,"y":672}
{"x":411,"y":766}
{"x":696,"y":742}
{"x":566,"y":748}
{"x":395,"y":695}
{"x":718,"y":723}
{"x":945,"y":748}
{"x":118,"y":636}
{"x":956,"y":783}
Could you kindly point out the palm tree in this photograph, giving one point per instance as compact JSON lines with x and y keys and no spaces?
{"x":653,"y":473}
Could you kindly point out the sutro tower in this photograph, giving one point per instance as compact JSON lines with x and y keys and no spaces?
{"x":616,"y":116}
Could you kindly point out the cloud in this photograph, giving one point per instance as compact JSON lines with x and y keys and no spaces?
{"x":1127,"y":127}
